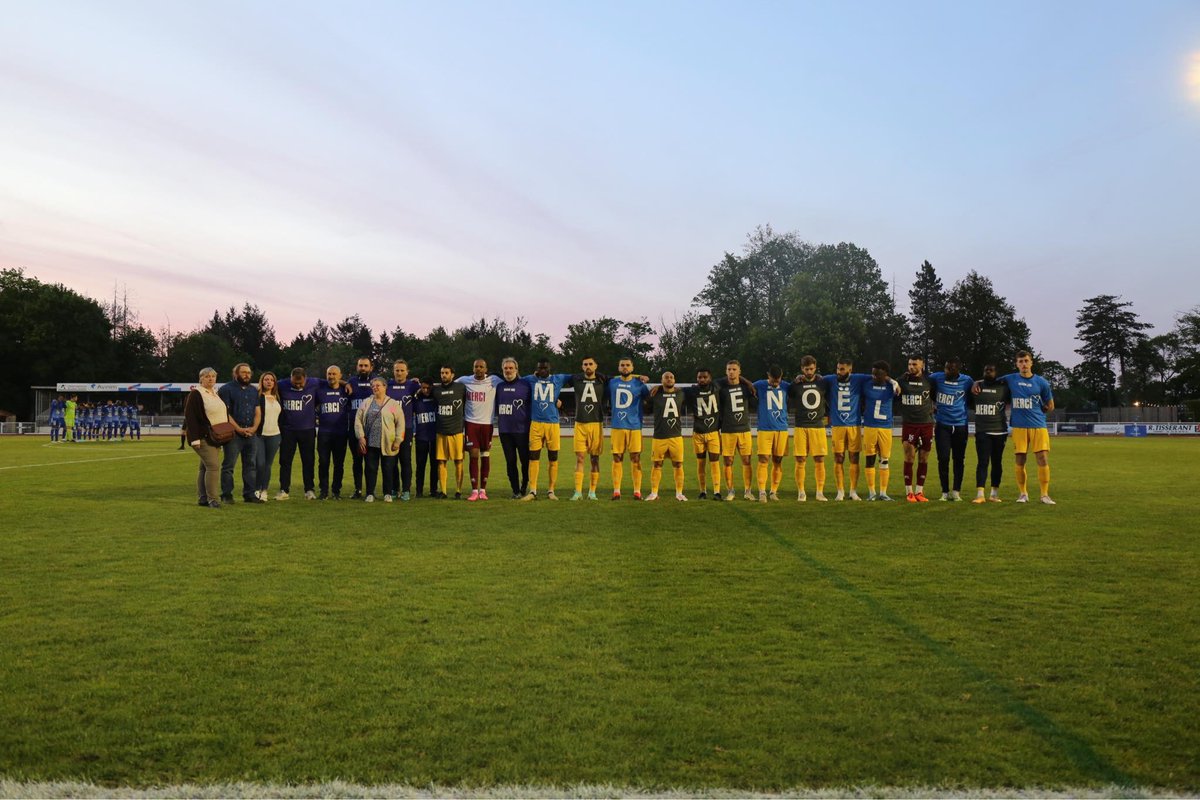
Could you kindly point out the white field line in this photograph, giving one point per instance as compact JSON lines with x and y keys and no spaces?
{"x":90,"y":460}
{"x":339,"y":789}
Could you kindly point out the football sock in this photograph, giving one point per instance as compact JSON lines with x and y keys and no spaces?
{"x":884,"y":474}
{"x":922,"y":471}
{"x":819,"y":473}
{"x":442,"y":475}
{"x":800,"y":470}
{"x":535,"y":466}
{"x":714,"y":470}
{"x":1044,"y":479}
{"x":870,"y":480}
{"x":618,"y":472}
{"x":747,"y":476}
{"x":679,"y":479}
{"x":637,"y":478}
{"x":474,"y":472}
{"x":776,"y":475}
{"x":485,"y":468}
{"x":762,"y":477}
{"x":908,"y":475}
{"x":1022,"y":479}
{"x":579,"y":480}
{"x":553,"y":476}
{"x":839,"y":476}
{"x":854,"y":468}
{"x":594,"y":479}
{"x":655,"y":478}
{"x":729,"y":477}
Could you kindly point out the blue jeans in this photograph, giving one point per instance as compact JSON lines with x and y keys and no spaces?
{"x":247,"y":448}
{"x":268,"y":446}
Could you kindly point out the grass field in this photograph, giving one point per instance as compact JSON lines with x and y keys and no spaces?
{"x":145,"y":641}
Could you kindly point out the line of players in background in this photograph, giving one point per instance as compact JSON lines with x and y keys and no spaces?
{"x":72,"y":421}
{"x":451,"y":420}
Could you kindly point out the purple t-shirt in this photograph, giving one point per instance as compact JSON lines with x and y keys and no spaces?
{"x":512,"y":406}
{"x":425,"y":418}
{"x":360,"y":392}
{"x":333,"y":406}
{"x":403,"y":394}
{"x":298,"y":406}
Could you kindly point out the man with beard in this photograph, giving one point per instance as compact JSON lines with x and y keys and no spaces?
{"x":359,"y":389}
{"x":241,"y":399}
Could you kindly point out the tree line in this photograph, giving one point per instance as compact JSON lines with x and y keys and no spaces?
{"x":778,"y":299}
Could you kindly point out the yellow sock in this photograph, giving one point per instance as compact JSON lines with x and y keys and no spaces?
{"x":535,"y":465}
{"x":800,"y":476}
{"x":854,"y":468}
{"x":870,"y":479}
{"x":618,"y":472}
{"x":839,"y":476}
{"x":679,"y":479}
{"x":701,"y":475}
{"x":594,"y":480}
{"x":776,"y":475}
{"x":819,"y":474}
{"x":553,"y":476}
{"x":747,"y":474}
{"x":729,"y":477}
{"x":655,"y":477}
{"x":442,"y":476}
{"x":1022,"y":479}
{"x":637,"y":478}
{"x":578,"y":480}
{"x":884,"y":474}
{"x":714,"y":468}
{"x":1044,"y":479}
{"x":762,"y":477}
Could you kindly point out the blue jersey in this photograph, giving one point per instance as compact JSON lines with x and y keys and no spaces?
{"x":403,"y":394}
{"x":845,"y":400}
{"x":512,"y":406}
{"x":625,"y":400}
{"x":424,"y":418}
{"x":951,"y":399}
{"x":333,"y":407}
{"x":298,"y":407}
{"x":56,"y":409}
{"x":772,"y":405}
{"x":545,"y":393}
{"x":1029,"y":398}
{"x":360,"y":391}
{"x":877,"y":404}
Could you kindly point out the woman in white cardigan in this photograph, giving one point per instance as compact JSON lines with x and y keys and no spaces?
{"x":379,"y":426}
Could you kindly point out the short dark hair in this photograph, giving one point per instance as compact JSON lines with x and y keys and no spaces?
{"x":732,"y":362}
{"x":426,"y":382}
{"x":704,"y":370}
{"x":883,"y":365}
{"x":954,"y":360}
{"x":774,"y":371}
{"x":1024,"y":354}
{"x":299,"y":372}
{"x":807,"y":360}
{"x":446,"y":366}
{"x":849,"y":362}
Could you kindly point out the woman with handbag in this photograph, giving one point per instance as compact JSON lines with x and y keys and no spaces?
{"x":206,"y":420}
{"x":379,"y":426}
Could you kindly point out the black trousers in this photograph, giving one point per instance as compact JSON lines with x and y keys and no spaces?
{"x":356,"y":466}
{"x":951,"y":440}
{"x":989,"y":449}
{"x":516,"y":454}
{"x":331,"y":447}
{"x":289,"y":443}
{"x":402,"y":466}
{"x":425,"y":453}
{"x":372,"y":463}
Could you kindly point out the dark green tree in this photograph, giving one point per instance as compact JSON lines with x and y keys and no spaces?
{"x":980,"y":327}
{"x":927,"y":316}
{"x":1108,"y":331}
{"x":247,"y":331}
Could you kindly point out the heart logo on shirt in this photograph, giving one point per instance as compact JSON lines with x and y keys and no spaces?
{"x":458,"y":404}
{"x":518,"y":403}
{"x":812,"y":415}
{"x":589,"y":407}
{"x":738,"y":416}
{"x":672,"y":422}
{"x":621,"y":414}
{"x":709,"y":420}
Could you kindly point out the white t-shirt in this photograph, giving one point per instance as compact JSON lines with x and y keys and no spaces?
{"x":481,"y":398}
{"x":270,"y":421}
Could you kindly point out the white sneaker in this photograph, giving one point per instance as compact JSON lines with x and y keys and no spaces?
{"x":749,"y":495}
{"x":681,"y":497}
{"x":945,"y":498}
{"x":841,"y":495}
{"x":854,"y":496}
{"x":369,"y":498}
{"x":651,"y":496}
{"x":773,"y":497}
{"x":309,"y":496}
{"x":1047,"y":501}
{"x":1022,"y":498}
{"x":281,"y":496}
{"x":762,"y":497}
{"x":730,"y":496}
{"x":870,"y":497}
{"x":801,"y":497}
{"x":821,"y":498}
{"x":550,"y":495}
{"x":387,"y":498}
{"x":956,"y":496}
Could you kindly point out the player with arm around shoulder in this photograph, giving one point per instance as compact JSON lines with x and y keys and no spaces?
{"x":1031,"y":399}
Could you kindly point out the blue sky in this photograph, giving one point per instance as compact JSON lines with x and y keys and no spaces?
{"x":424,"y":164}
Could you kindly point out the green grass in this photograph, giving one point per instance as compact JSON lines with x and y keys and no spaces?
{"x":145,"y":641}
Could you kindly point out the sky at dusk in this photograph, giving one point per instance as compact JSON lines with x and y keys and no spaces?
{"x":424,"y":164}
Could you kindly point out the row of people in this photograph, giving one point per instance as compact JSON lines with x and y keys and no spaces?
{"x":455,"y":419}
{"x":73,"y":421}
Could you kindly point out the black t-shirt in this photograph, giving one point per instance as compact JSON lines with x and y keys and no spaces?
{"x":589,"y":397}
{"x":668,"y":414}
{"x":810,"y":399}
{"x":735,"y":407}
{"x":451,"y":407}
{"x":706,"y":404}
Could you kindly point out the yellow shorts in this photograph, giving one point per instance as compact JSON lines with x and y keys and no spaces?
{"x":543,"y":434}
{"x":623,"y":440}
{"x":877,"y":442}
{"x":667,"y":449}
{"x":1027,"y":440}
{"x":847,"y":438}
{"x":772,"y":443}
{"x":450,"y":447}
{"x":706,"y":443}
{"x":736,"y":444}
{"x":589,"y":438}
{"x":810,"y":442}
